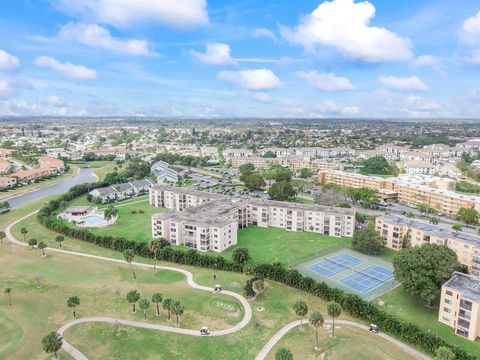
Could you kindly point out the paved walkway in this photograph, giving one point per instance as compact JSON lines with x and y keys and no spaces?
{"x":77,"y":355}
{"x":276,"y":338}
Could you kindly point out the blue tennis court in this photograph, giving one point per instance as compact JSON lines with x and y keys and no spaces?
{"x":336,"y":264}
{"x":368,"y":279}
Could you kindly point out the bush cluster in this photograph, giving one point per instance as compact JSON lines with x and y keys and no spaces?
{"x":353,"y":304}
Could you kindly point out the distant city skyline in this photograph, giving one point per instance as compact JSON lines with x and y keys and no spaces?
{"x":199,"y":58}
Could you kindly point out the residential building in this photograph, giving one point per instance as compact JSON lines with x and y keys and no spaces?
{"x":460,"y":305}
{"x":193,"y":213}
{"x":30,"y":175}
{"x":5,"y":152}
{"x":49,"y":162}
{"x":163,"y":173}
{"x":4,"y":166}
{"x":241,"y":153}
{"x":6,"y":182}
{"x":392,"y":230}
{"x":121,"y":191}
{"x":413,"y":167}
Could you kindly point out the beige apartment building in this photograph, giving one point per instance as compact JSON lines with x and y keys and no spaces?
{"x":393,"y":228}
{"x":460,"y":305}
{"x":205,"y":221}
{"x":411,"y":190}
{"x":294,"y":163}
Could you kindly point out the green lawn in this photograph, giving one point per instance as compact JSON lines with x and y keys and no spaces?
{"x":278,"y":245}
{"x":102,"y":168}
{"x":399,"y":303}
{"x":350,"y":343}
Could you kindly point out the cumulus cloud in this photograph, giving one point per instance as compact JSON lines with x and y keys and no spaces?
{"x":99,"y":37}
{"x":121,"y":13}
{"x":67,"y":69}
{"x":257,"y":95}
{"x":11,"y":88}
{"x":325,"y":81}
{"x":429,"y":61}
{"x":417,"y":105}
{"x":345,"y":26}
{"x":8,"y":62}
{"x":403,"y":83}
{"x":256,"y":79}
{"x":470,"y":39}
{"x":264,"y":33}
{"x":330,"y":108}
{"x":215,"y":54}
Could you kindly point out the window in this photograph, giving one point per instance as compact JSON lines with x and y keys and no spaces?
{"x":448,"y":301}
{"x":447,"y":310}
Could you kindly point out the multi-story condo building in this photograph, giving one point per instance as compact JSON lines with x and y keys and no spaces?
{"x":411,"y":190}
{"x":460,"y":305}
{"x":413,"y":167}
{"x":193,"y":213}
{"x":392,"y":230}
{"x":237,"y":153}
{"x":294,"y":163}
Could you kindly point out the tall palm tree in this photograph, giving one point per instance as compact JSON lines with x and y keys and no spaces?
{"x":167,"y":305}
{"x":157,"y":299}
{"x":32,"y":242}
{"x":73,"y":302}
{"x":52,"y":343}
{"x":177,"y":309}
{"x":154,"y":246}
{"x":110,"y":212}
{"x":133,"y":297}
{"x":2,"y":236}
{"x":334,"y":310}
{"x":301,"y":309}
{"x":316,"y":320}
{"x":129,"y":255}
{"x":42,"y":246}
{"x":8,"y":292}
{"x":59,"y":239}
{"x":24,"y":232}
{"x":144,"y":305}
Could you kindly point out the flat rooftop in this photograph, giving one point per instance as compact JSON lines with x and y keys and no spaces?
{"x":435,"y":230}
{"x":465,"y":284}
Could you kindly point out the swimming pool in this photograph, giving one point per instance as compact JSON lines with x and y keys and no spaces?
{"x":93,"y":219}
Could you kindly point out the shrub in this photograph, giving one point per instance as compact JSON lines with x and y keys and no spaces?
{"x":141,"y":211}
{"x":133,"y":212}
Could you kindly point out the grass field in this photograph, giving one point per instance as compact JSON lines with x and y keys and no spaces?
{"x":401,"y":304}
{"x":102,"y":168}
{"x":350,"y":343}
{"x":277,"y":245}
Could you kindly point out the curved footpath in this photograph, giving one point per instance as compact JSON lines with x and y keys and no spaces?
{"x":77,"y":355}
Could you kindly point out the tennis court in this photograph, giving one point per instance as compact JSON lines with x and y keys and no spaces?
{"x":352,"y":272}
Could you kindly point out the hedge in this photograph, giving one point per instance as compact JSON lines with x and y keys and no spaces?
{"x":353,"y":304}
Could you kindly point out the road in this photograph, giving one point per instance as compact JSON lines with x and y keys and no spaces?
{"x":276,"y":338}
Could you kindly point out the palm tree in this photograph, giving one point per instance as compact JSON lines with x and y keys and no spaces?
{"x":129,"y":255}
{"x":8,"y":292}
{"x":301,"y":309}
{"x":410,"y":214}
{"x":434,"y":220}
{"x":110,"y":212}
{"x":157,"y":298}
{"x":167,"y":305}
{"x":258,"y":286}
{"x":59,"y":239}
{"x":132,"y":297}
{"x":2,"y":236}
{"x":32,"y":242}
{"x":52,"y":343}
{"x":283,"y":354}
{"x":24,"y":232}
{"x":154,"y":246}
{"x":334,"y":310}
{"x":177,"y":309}
{"x":73,"y":302}
{"x":316,"y":320}
{"x":144,"y":304}
{"x":42,"y":246}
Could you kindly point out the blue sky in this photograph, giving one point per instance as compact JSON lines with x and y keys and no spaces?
{"x":206,"y":58}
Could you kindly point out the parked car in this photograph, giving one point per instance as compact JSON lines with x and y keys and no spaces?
{"x":204,"y":331}
{"x":373,"y":328}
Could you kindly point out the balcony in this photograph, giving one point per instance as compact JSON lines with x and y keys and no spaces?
{"x":465,"y":305}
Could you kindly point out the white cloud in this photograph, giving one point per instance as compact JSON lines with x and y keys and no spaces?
{"x":419,"y":106}
{"x":99,"y":37}
{"x":403,"y":83}
{"x":257,"y":79}
{"x":470,"y":32}
{"x":330,"y":108}
{"x":121,"y":13}
{"x":475,"y":95}
{"x":8,"y":62}
{"x":326,"y":81}
{"x":11,"y":88}
{"x":429,"y":61}
{"x":264,"y":33}
{"x":70,"y":70}
{"x":257,"y":95}
{"x":215,"y":54}
{"x":345,"y":26}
